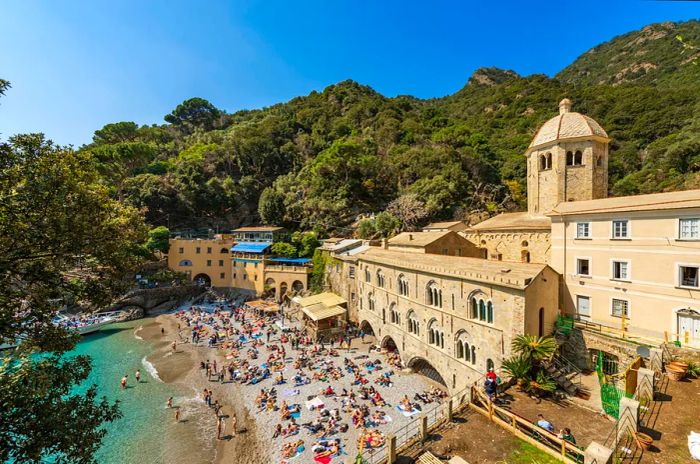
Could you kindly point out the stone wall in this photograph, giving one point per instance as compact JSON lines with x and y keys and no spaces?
{"x":685,"y":354}
{"x":513,"y":245}
{"x":577,"y":345}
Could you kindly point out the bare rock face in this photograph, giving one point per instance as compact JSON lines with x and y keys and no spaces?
{"x":491,"y":76}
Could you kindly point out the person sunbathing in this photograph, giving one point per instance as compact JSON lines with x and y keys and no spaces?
{"x":405,"y":404}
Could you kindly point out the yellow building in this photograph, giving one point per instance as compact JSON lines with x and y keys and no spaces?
{"x":632,"y":262}
{"x":204,"y":260}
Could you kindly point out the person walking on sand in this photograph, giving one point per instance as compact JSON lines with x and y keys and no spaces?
{"x":123,"y":381}
{"x":234,"y":421}
{"x":219,"y":427}
{"x":177,"y":415}
{"x":174,"y":345}
{"x":138,"y":376}
{"x":169,"y":404}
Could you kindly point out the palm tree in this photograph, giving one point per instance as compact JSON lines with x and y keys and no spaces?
{"x":534,"y":348}
{"x":518,"y":368}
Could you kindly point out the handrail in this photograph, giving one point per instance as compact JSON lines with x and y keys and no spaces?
{"x":563,"y":446}
{"x":566,"y":366}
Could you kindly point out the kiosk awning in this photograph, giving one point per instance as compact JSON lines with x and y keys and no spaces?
{"x":319,"y":311}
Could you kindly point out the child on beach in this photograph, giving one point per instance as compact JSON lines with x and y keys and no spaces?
{"x":123,"y":381}
{"x":138,"y":376}
{"x":169,"y":404}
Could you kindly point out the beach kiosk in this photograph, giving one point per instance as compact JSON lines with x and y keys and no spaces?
{"x":324,"y":314}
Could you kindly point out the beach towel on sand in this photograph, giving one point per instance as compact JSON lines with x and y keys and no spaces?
{"x":694,"y":445}
{"x":290,"y":392}
{"x":323,"y":460}
{"x":314,"y":403}
{"x":407,"y":413}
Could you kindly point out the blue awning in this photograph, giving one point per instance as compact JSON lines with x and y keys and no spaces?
{"x":251,"y":247}
{"x":290,"y":260}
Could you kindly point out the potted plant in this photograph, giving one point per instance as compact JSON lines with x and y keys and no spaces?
{"x":643,"y":440}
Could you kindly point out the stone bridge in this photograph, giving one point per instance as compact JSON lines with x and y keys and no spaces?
{"x":151,"y":298}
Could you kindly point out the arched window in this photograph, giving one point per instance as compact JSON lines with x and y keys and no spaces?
{"x":224,"y":251}
{"x":578,"y":158}
{"x":549,"y":160}
{"x":543,"y":163}
{"x":463,"y":344}
{"x":490,"y":364}
{"x":394,"y":315}
{"x":380,"y":278}
{"x":436,"y":336}
{"x":370,"y":302}
{"x":413,"y":323}
{"x":525,"y":256}
{"x":403,"y":285}
{"x":524,"y":244}
{"x":599,"y":161}
{"x":473,"y":354}
{"x":475,"y":308}
{"x":368,"y":276}
{"x":434,"y":295}
{"x":489,"y":312}
{"x":185,"y":262}
{"x":569,"y":158}
{"x":482,"y":310}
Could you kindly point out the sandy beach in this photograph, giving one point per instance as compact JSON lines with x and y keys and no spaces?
{"x":254,"y":442}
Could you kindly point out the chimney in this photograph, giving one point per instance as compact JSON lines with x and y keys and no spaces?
{"x":385,"y":244}
{"x":410,"y":236}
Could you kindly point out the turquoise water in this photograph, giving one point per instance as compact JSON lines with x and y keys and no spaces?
{"x":141,"y":434}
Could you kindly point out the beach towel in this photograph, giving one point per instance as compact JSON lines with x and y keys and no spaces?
{"x":370,"y":368}
{"x":407,"y":413}
{"x":322,"y":460}
{"x":694,"y":445}
{"x":314,"y":403}
{"x":290,"y":392}
{"x":296,"y":415}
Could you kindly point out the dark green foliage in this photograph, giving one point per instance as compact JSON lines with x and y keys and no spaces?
{"x":323,"y":160}
{"x":158,"y":239}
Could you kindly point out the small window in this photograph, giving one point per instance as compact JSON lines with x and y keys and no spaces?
{"x":445,"y":251}
{"x":583,"y":266}
{"x":245,"y":276}
{"x":198,"y":250}
{"x":221,"y":262}
{"x":578,"y":158}
{"x":688,"y":276}
{"x":209,"y":262}
{"x":599,"y":161}
{"x":351,"y":271}
{"x":620,"y":308}
{"x":569,"y":158}
{"x":234,"y":263}
{"x":583,"y":230}
{"x":209,"y":250}
{"x":620,"y":228}
{"x":689,"y":229}
{"x":222,"y":275}
{"x":234,"y":275}
{"x":543,"y":163}
{"x":181,"y":250}
{"x":620,"y":270}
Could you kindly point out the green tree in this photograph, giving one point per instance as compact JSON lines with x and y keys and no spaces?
{"x":271,"y":206}
{"x":386,"y":224}
{"x":117,"y":132}
{"x":63,"y":240}
{"x":194,"y":113}
{"x":284,"y":249}
{"x":366,"y":229}
{"x":158,"y":239}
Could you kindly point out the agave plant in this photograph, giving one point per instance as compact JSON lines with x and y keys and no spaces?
{"x":518,"y":368}
{"x":534,"y":348}
{"x":693,"y":369}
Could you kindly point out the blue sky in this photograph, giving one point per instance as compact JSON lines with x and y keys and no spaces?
{"x":77,"y":65}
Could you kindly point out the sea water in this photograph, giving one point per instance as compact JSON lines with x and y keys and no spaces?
{"x":146,"y":432}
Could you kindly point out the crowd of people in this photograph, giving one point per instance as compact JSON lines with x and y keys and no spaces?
{"x":254,"y":347}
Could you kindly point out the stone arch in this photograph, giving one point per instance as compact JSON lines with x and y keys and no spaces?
{"x":389,"y":344}
{"x":424,"y":367}
{"x":474,"y":298}
{"x":413,"y":322}
{"x":366,"y":327}
{"x":224,"y":250}
{"x":283,"y":289}
{"x":297,"y":286}
{"x":202,"y":279}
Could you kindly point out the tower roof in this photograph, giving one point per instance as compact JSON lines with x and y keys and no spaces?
{"x":567,"y":125}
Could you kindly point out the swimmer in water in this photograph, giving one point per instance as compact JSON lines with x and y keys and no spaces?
{"x":170,"y":402}
{"x":138,"y":376}
{"x":123,"y":382}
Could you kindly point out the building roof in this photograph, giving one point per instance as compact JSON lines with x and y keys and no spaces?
{"x":290,"y":260}
{"x":327,"y":298}
{"x":319,"y":311}
{"x":442,"y":225}
{"x":567,"y":125}
{"x":341,"y":245}
{"x":418,"y":239}
{"x":650,"y":202}
{"x":506,"y":274}
{"x":514,"y":221}
{"x":259,"y":229}
{"x":251,"y":247}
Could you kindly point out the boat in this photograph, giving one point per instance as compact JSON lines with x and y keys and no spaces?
{"x":84,"y":325}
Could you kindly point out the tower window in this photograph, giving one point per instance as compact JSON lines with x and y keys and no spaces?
{"x":569,"y":158}
{"x":599,"y":161}
{"x":578,"y":158}
{"x":545,"y":162}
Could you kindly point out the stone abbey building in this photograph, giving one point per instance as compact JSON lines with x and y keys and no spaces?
{"x":452,"y":297}
{"x":630,"y":266}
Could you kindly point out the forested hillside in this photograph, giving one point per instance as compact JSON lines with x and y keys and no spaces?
{"x":322,"y":160}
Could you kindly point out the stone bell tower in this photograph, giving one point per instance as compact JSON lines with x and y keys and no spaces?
{"x":566,"y":161}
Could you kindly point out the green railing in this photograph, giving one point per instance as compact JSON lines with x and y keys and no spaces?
{"x":564,"y":324}
{"x":610,"y":394}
